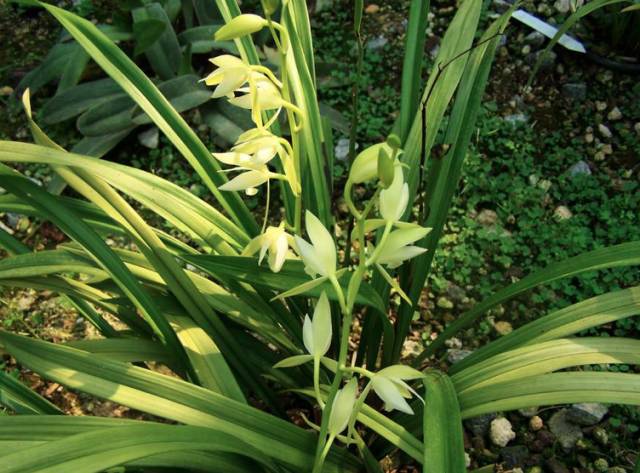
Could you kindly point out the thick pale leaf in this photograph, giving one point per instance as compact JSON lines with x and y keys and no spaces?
{"x":173,"y":399}
{"x":546,"y":357}
{"x":101,"y":449}
{"x":551,"y":389}
{"x":596,"y":311}
{"x":443,"y":436}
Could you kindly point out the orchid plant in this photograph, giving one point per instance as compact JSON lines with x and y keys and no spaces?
{"x":316,"y":319}
{"x":259,"y":90}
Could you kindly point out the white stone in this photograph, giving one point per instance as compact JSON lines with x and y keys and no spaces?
{"x":501,"y":432}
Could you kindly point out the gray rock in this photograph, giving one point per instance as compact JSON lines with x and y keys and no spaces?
{"x":562,"y":6}
{"x":479,"y":426}
{"x":516,"y":118}
{"x":487,"y":217}
{"x":454,"y":355}
{"x":548,"y":61}
{"x":579,"y":168}
{"x":457,"y":294}
{"x":342,"y":149}
{"x":575,"y":91}
{"x":149,"y":138}
{"x":587,"y":413}
{"x":501,"y":432}
{"x":565,"y":431}
{"x":12,"y":219}
{"x":535,"y":39}
{"x":605,"y":131}
{"x":378,"y":42}
{"x":514,"y":456}
{"x":615,"y":114}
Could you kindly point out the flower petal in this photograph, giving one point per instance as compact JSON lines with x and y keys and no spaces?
{"x":342,"y":407}
{"x":313,"y":265}
{"x":389,"y":393}
{"x":322,"y":326}
{"x":307,"y":334}
{"x":246,"y":180}
{"x":325,"y":247}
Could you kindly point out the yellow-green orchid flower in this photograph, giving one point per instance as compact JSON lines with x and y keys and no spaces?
{"x":276,"y":242}
{"x":320,"y":256}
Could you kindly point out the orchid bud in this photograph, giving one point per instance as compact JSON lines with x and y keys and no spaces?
{"x":393,"y":141}
{"x":386,"y":168}
{"x":239,"y":26}
{"x":365,"y":166}
{"x":316,"y":333}
{"x":342,"y":407}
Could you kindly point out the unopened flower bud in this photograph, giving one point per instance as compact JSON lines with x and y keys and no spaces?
{"x":393,"y":141}
{"x":239,"y":26}
{"x":386,"y":168}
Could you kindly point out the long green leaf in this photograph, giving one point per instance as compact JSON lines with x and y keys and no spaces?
{"x":443,"y":436}
{"x":550,"y":389}
{"x":625,"y":254}
{"x":95,"y":451}
{"x":173,"y":399}
{"x":133,"y":81}
{"x":177,"y":205}
{"x":104,"y":256}
{"x":545,"y":357}
{"x":18,"y":432}
{"x":561,"y":323}
{"x":291,"y":275}
{"x":412,"y":65}
{"x":21,"y":399}
{"x":445,"y":173}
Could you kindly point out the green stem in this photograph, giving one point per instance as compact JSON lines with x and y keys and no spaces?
{"x":316,"y":381}
{"x":381,"y":242}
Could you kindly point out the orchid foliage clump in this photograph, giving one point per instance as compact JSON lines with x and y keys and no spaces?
{"x":259,"y":90}
{"x":291,"y":307}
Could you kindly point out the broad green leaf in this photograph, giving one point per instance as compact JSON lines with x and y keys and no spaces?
{"x":95,"y":451}
{"x":21,"y":399}
{"x":545,"y":357}
{"x":74,"y":101}
{"x":412,"y":64}
{"x":573,"y":319}
{"x":164,"y":53}
{"x":625,"y":254}
{"x":551,"y":389}
{"x":146,"y":32}
{"x":443,"y":436}
{"x":292,"y":274}
{"x":150,"y":100}
{"x":172,"y":399}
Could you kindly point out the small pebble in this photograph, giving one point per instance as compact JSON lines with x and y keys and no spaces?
{"x":604,"y":131}
{"x":601,"y":106}
{"x":615,"y":114}
{"x":501,"y":432}
{"x":372,"y":9}
{"x":535,"y":423}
